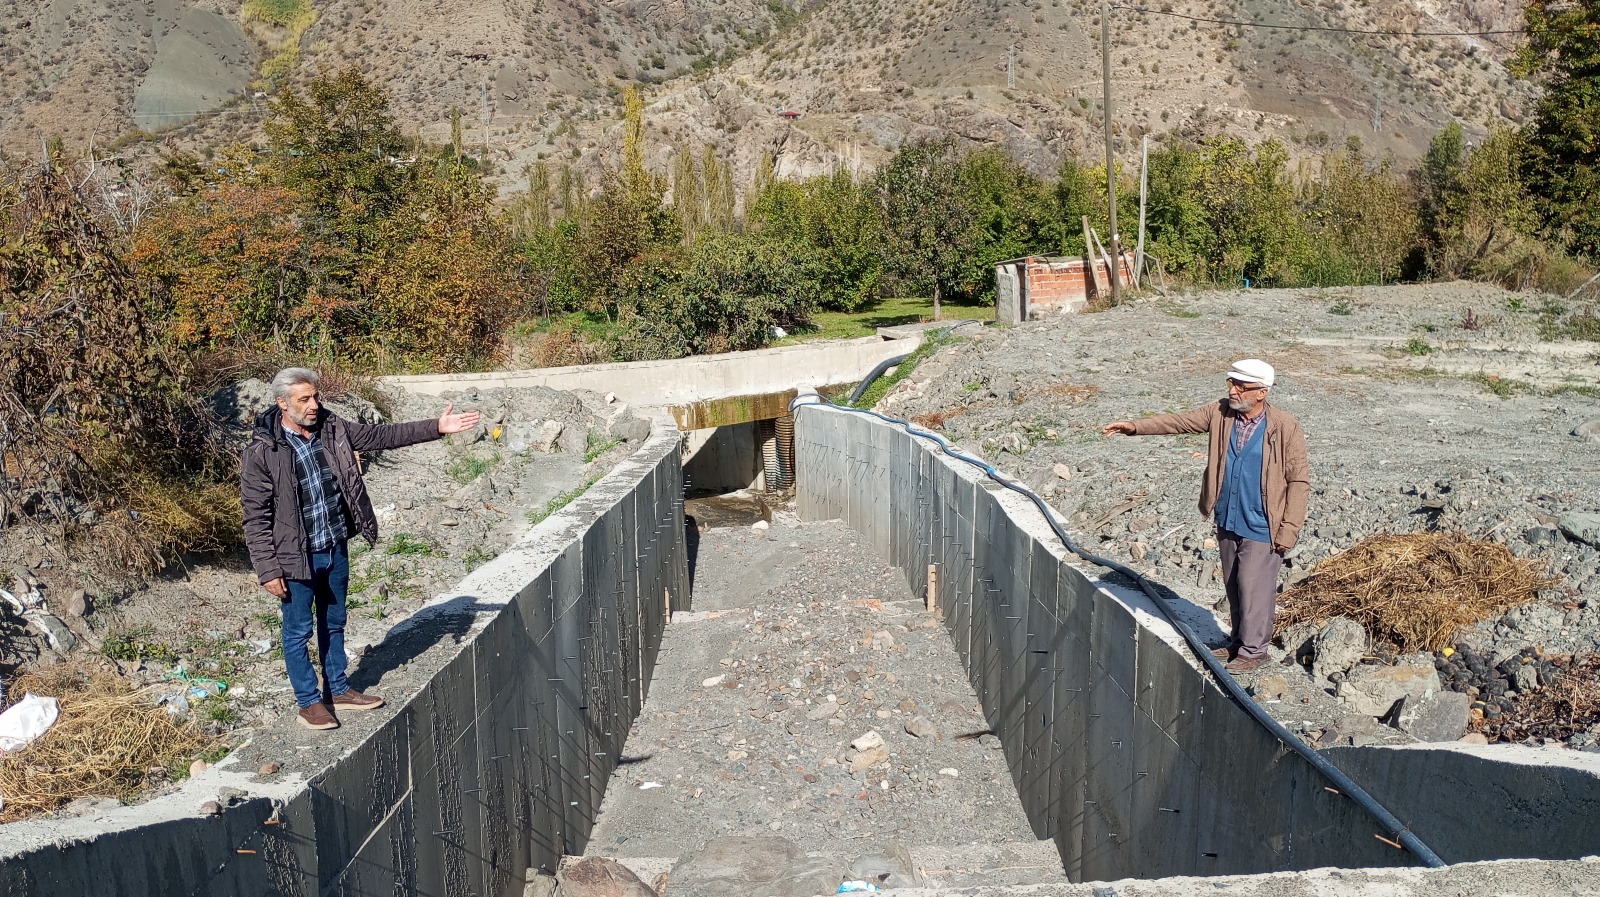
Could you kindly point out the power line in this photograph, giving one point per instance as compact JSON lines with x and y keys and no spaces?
{"x":1242,"y":24}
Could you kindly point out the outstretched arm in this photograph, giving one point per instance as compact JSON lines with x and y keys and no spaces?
{"x":1195,"y":420}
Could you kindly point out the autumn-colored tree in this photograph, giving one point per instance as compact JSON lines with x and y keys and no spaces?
{"x":236,"y":268}
{"x":447,"y":286}
{"x":101,"y":427}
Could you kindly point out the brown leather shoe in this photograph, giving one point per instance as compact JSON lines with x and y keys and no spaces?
{"x":1245,"y":664}
{"x":355,"y":700}
{"x":317,"y":716}
{"x":1223,"y":654}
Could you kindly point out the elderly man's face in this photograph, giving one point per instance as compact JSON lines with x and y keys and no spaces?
{"x":1243,"y":397}
{"x":301,"y":405}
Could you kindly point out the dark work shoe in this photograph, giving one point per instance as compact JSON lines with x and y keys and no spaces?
{"x":1223,"y":654}
{"x":355,"y":700}
{"x":317,"y":716}
{"x":1245,"y":664}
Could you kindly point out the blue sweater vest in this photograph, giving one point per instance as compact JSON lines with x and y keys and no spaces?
{"x":1240,"y":508}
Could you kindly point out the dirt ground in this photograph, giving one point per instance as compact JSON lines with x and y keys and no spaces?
{"x":1450,"y":407}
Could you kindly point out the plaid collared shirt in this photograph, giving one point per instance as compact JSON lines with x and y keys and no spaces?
{"x":1244,"y":428}
{"x":321,"y":510}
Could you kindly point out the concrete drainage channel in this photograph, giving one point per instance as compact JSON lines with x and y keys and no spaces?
{"x":1124,"y":752}
{"x":1126,"y":756}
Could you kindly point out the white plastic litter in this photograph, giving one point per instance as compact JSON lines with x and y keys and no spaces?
{"x":26,"y":720}
{"x":648,"y":785}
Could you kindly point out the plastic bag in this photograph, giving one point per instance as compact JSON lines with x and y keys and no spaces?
{"x":851,"y":887}
{"x":26,"y":720}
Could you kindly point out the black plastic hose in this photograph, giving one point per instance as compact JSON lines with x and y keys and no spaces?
{"x":887,"y":363}
{"x":1345,"y":785}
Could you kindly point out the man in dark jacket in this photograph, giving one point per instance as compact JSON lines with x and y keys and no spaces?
{"x":303,"y":499}
{"x":1257,"y":488}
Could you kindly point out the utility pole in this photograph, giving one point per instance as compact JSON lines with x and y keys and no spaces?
{"x":1111,"y":168}
{"x":1011,"y":66}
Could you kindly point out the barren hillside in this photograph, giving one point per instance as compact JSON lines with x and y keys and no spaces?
{"x":537,"y":79}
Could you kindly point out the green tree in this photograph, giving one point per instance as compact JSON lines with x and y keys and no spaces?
{"x":336,"y":149}
{"x":1077,"y":192}
{"x":829,"y":225}
{"x":927,"y":218}
{"x":1012,"y":217}
{"x":1561,"y":164}
{"x":1362,"y":218}
{"x":1475,"y":207}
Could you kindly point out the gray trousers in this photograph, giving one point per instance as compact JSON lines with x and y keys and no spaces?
{"x":1250,"y":574}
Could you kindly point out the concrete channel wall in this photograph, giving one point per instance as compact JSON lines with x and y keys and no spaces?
{"x":496,"y":765}
{"x":1123,"y":751}
{"x":697,"y":378}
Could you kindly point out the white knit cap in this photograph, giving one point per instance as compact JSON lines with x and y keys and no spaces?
{"x":1253,"y":370}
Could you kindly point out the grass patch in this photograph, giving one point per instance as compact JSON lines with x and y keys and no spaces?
{"x":1592,"y":392}
{"x":1418,"y":346}
{"x":476,"y":557}
{"x":1342,"y":306}
{"x":880,"y":387}
{"x":467,"y":468}
{"x":411,"y":544}
{"x":596,"y":447}
{"x":865,"y":321}
{"x":538,"y":516}
{"x":1173,"y":309}
{"x":135,"y":644}
{"x":1504,"y":387}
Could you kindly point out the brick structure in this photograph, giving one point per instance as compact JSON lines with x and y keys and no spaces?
{"x":1027,"y":288}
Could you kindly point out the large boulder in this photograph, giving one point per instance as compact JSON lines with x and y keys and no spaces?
{"x":602,"y":877}
{"x":1582,"y":527}
{"x":1374,"y":690}
{"x":1439,"y":717}
{"x":1338,"y":647}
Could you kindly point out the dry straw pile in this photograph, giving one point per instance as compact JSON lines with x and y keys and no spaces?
{"x":1416,"y":590}
{"x":106,"y":740}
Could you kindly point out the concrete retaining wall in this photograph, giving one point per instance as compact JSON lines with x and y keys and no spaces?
{"x":683,"y":380}
{"x":497,"y":764}
{"x":1123,"y":751}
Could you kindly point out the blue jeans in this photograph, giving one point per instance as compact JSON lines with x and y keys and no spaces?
{"x":321,"y":596}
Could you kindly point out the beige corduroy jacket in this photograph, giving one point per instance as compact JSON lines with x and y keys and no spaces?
{"x":1285,"y":469}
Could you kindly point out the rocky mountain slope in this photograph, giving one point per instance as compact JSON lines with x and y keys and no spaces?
{"x":538,"y":78}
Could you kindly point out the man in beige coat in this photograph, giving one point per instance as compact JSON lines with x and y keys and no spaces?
{"x":1256,"y":487}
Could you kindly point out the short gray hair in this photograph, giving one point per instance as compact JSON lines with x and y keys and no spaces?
{"x":289,"y":378}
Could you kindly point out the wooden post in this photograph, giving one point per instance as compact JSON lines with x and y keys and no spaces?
{"x":1090,"y":264}
{"x":1111,"y":163}
{"x":932,"y":600}
{"x":1144,"y":186}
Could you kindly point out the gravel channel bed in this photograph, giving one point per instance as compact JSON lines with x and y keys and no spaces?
{"x":802,"y":641}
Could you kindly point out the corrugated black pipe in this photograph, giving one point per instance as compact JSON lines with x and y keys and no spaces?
{"x":887,"y":363}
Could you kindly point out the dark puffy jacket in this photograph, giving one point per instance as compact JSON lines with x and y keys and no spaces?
{"x":273,"y":531}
